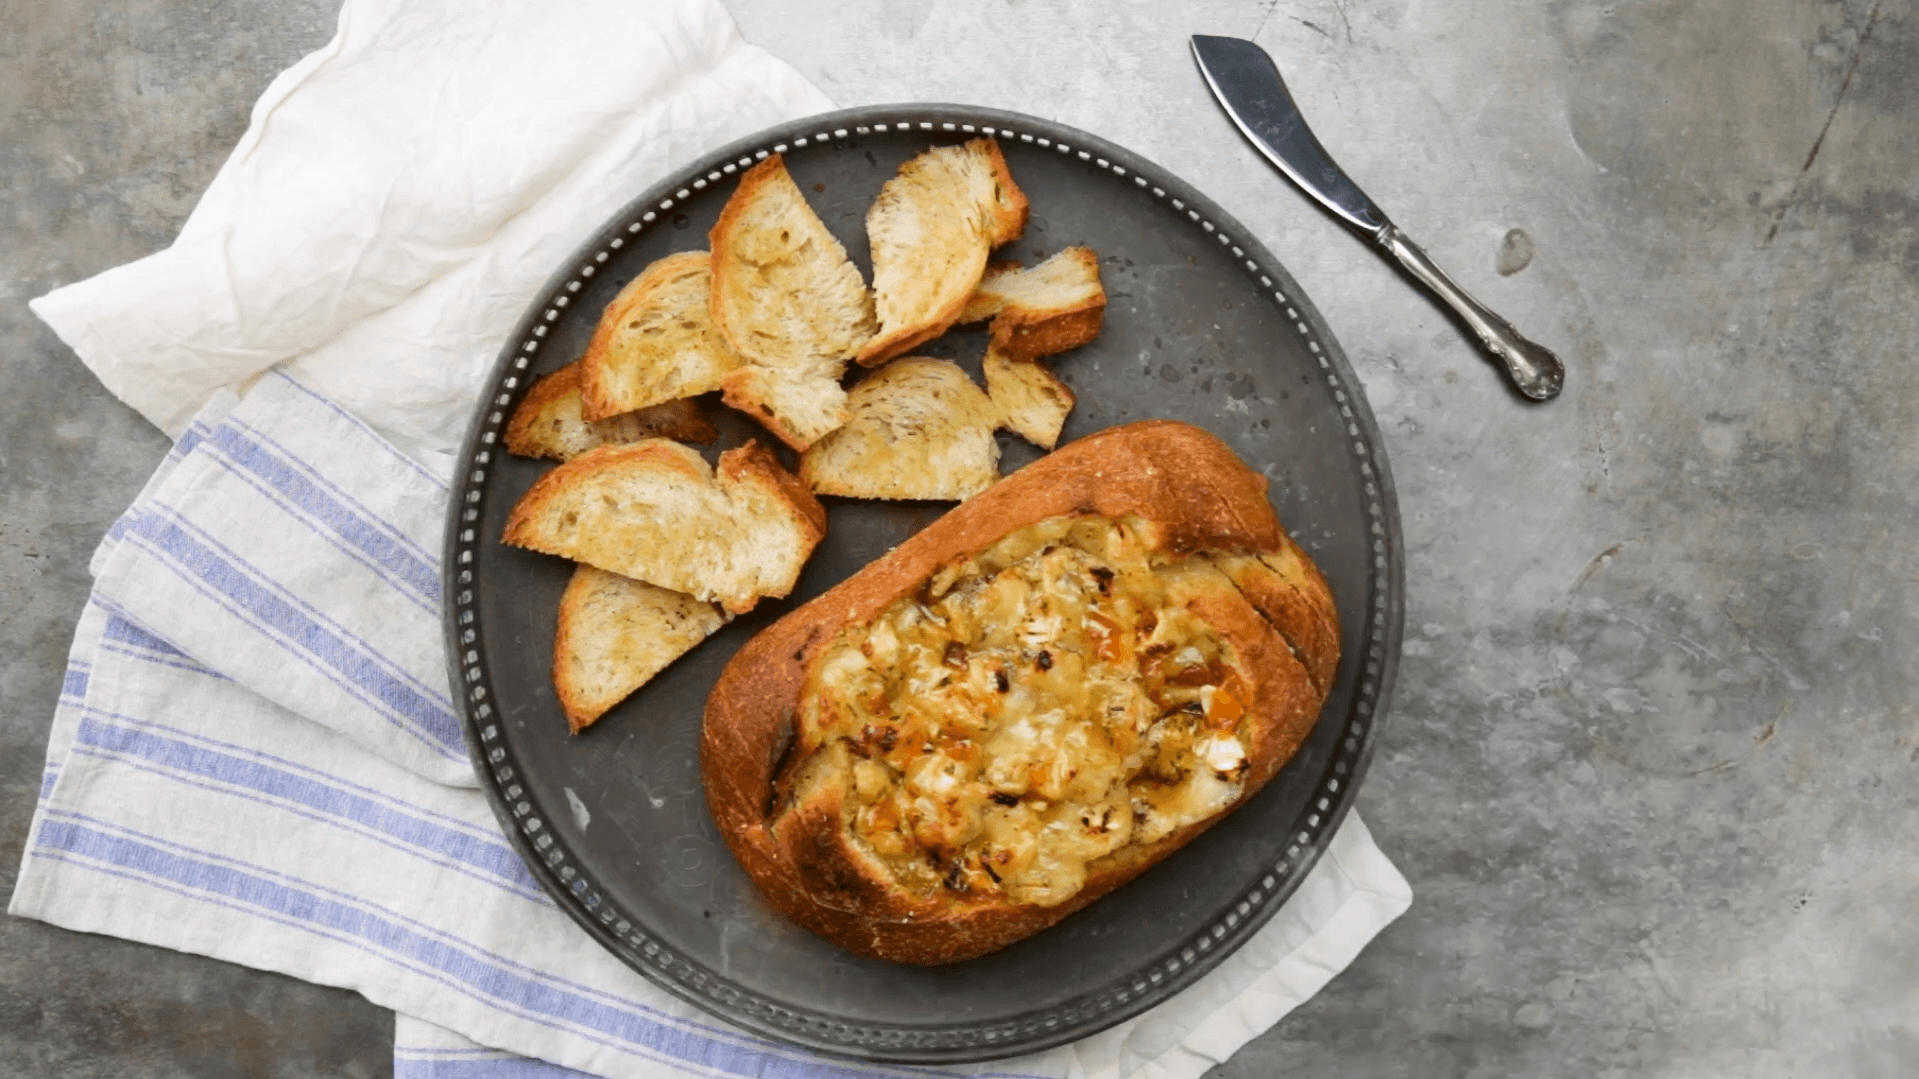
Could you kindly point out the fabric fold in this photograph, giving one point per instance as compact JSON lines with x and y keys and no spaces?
{"x":194,"y":802}
{"x":403,"y":192}
{"x":299,"y":548}
{"x":256,"y":754}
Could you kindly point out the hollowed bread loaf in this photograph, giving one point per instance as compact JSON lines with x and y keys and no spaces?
{"x":1022,"y":707}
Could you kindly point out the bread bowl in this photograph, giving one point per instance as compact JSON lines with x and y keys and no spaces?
{"x":1026,"y":704}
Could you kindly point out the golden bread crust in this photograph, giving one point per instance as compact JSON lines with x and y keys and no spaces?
{"x":788,"y":829}
{"x":932,"y":228}
{"x":919,"y":429}
{"x":656,"y":512}
{"x":789,"y":302}
{"x":550,"y":422}
{"x":655,"y":342}
{"x":615,"y":634}
{"x":1056,"y":306}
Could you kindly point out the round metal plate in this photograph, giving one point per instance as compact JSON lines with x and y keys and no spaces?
{"x":1202,"y":325}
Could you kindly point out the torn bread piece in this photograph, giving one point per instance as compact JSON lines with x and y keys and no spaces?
{"x":656,"y":341}
{"x":1054,"y":306}
{"x":919,"y":429}
{"x":615,"y":634}
{"x":550,"y":421}
{"x":789,"y":302}
{"x":931,"y":229}
{"x":655,"y":511}
{"x":1032,"y":402}
{"x":992,"y":294}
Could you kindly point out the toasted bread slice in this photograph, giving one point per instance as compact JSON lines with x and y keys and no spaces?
{"x":789,"y":302}
{"x":550,"y":422}
{"x":919,"y":429}
{"x":991,"y":295}
{"x":656,"y":341}
{"x":615,"y":634}
{"x":798,"y":409}
{"x":931,"y":229}
{"x":1032,"y":402}
{"x":656,"y":512}
{"x":1052,"y":307}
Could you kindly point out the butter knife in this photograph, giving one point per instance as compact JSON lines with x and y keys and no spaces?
{"x":1247,"y":83}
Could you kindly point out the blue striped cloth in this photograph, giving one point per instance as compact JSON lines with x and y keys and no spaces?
{"x":346,"y":586}
{"x":255,"y":757}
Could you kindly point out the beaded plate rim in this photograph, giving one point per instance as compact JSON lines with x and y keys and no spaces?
{"x":1154,"y":980}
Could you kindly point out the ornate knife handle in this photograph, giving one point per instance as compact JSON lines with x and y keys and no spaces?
{"x":1533,"y":368}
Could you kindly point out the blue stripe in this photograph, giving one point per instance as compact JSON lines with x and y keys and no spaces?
{"x":357,"y":532}
{"x":74,"y":682}
{"x":288,"y":597}
{"x":225,"y":790}
{"x":426,"y":701}
{"x":202,"y":899}
{"x":379,"y":440}
{"x":496,"y":1068}
{"x":298,"y":903}
{"x":161,"y":661}
{"x":189,"y":439}
{"x":126,"y":631}
{"x":488,"y":830}
{"x":118,"y":528}
{"x":426,"y":552}
{"x":347,"y":663}
{"x":496,"y":860}
{"x":351,"y":941}
{"x":123,"y":636}
{"x":47,"y":779}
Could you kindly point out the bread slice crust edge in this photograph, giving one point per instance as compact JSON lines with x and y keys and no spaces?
{"x":1000,"y":221}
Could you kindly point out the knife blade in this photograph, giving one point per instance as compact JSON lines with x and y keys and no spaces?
{"x":1247,"y":84}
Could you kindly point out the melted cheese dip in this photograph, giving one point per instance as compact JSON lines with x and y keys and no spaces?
{"x":1031,"y":711}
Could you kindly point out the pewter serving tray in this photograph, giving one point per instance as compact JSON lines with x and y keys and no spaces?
{"x":1202,"y":325}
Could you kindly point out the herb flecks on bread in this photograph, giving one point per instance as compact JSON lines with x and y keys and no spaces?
{"x":919,"y":429}
{"x":667,"y":548}
{"x":656,"y":341}
{"x":550,"y":421}
{"x":931,"y":230}
{"x":615,"y":634}
{"x":1032,"y":402}
{"x":655,"y":511}
{"x":789,"y":302}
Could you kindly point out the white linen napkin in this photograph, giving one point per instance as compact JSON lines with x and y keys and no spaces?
{"x":255,"y":756}
{"x":402,"y":193}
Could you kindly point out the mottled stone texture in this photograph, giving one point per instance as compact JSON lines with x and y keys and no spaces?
{"x":1650,"y":765}
{"x":113,"y":119}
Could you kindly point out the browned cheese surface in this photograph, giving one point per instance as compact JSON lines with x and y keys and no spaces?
{"x":1020,"y":708}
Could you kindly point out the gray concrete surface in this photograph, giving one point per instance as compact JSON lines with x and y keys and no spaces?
{"x":1650,"y":768}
